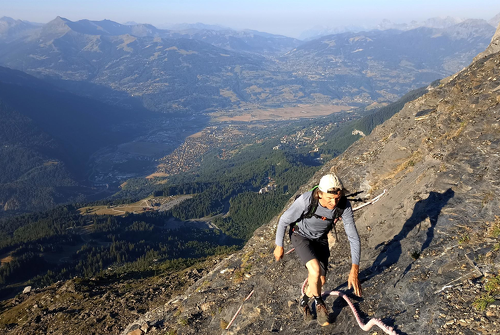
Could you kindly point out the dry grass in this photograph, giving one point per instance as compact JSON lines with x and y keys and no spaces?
{"x":158,"y":174}
{"x":20,"y":314}
{"x":494,"y":230}
{"x":229,"y":94}
{"x":488,"y":196}
{"x":454,"y":134}
{"x":196,"y":135}
{"x":120,"y":210}
{"x":408,"y":163}
{"x":223,"y":324}
{"x":421,"y":177}
{"x":7,"y":259}
{"x":405,"y":166}
{"x":50,"y":163}
{"x":245,"y":267}
{"x":386,"y":138}
{"x":460,"y":130}
{"x":205,"y":284}
{"x":254,"y":89}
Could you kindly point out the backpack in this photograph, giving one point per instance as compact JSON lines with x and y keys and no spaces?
{"x":311,"y":211}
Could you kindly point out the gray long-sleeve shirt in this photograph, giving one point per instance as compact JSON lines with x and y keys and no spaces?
{"x":314,"y":227}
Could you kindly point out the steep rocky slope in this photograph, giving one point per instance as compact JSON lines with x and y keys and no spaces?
{"x":429,"y":245}
{"x":103,"y":305}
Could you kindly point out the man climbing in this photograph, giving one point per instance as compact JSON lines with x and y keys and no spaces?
{"x":311,"y":217}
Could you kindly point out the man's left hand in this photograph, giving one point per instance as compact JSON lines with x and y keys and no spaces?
{"x":353,"y":280}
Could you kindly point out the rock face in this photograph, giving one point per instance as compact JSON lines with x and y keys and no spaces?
{"x":428,"y":246}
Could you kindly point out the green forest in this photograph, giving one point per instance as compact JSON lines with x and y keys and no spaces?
{"x":62,"y":243}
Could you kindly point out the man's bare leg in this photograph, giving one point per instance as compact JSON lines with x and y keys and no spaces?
{"x":316,"y":282}
{"x":314,"y":279}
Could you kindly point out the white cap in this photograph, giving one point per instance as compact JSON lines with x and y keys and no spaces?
{"x":329,"y":182}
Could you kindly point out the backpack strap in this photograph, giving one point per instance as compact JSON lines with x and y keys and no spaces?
{"x":311,"y":209}
{"x":313,"y":205}
{"x":339,"y":210}
{"x":341,"y":206}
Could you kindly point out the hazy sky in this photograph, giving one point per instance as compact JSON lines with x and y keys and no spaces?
{"x":287,"y":17}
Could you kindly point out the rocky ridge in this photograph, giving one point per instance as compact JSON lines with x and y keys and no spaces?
{"x":430,"y":246}
{"x":103,"y":305}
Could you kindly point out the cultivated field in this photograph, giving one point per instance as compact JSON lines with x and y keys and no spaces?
{"x":286,"y":113}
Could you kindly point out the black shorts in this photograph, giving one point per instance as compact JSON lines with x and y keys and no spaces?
{"x":308,"y":249}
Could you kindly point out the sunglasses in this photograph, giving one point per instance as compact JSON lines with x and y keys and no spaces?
{"x":334,"y":191}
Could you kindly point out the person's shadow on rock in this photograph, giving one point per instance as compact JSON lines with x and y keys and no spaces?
{"x":391,"y":250}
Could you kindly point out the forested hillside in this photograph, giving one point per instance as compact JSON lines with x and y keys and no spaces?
{"x":46,"y":138}
{"x":342,"y":138}
{"x":61,"y":244}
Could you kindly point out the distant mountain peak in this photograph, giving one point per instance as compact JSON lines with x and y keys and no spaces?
{"x":57,"y":27}
{"x":433,"y":22}
{"x":7,"y":19}
{"x":440,"y":22}
{"x":469,"y":28}
{"x":198,"y":25}
{"x":103,"y":27}
{"x":494,"y":46}
{"x":11,"y":29}
{"x":495,"y":21}
{"x":60,"y":19}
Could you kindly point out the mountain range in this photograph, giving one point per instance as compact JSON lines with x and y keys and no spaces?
{"x":201,"y":70}
{"x":386,"y":61}
{"x":11,"y":29}
{"x":435,"y":22}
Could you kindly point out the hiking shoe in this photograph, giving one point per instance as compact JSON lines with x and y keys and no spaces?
{"x":306,"y":313}
{"x":322,"y":315}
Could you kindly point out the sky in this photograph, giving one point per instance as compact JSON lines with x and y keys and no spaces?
{"x":286,"y":17}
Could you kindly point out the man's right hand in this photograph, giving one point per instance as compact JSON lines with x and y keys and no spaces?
{"x":278,"y":253}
